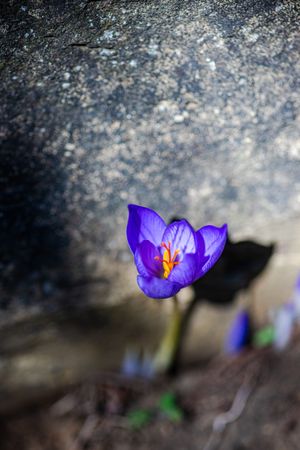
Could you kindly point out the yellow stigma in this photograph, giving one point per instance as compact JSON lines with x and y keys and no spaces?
{"x":168,"y":260}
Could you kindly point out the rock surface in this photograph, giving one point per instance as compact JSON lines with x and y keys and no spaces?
{"x":189,"y":107}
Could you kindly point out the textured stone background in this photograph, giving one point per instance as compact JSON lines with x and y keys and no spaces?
{"x":189,"y":107}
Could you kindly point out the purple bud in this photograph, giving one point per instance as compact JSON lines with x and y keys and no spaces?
{"x":131,"y":364}
{"x":239,"y":333}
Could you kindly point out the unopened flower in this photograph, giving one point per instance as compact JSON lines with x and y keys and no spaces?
{"x":171,"y":257}
{"x":239,"y":333}
{"x":283,"y":325}
{"x":136,"y":365}
{"x":296,"y":298}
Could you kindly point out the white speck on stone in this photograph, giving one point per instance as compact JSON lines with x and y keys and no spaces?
{"x":212,"y":65}
{"x":106,"y":52}
{"x":123,"y":195}
{"x":219,"y":43}
{"x":178,"y":118}
{"x":133,"y":63}
{"x":67,"y":76}
{"x":253,"y":37}
{"x":26,"y":35}
{"x":294,"y":150}
{"x":109,"y":35}
{"x":77,"y":68}
{"x":14,"y":77}
{"x":23,"y":8}
{"x":164,"y":105}
{"x":153,"y":49}
{"x":65,"y":85}
{"x":70,"y":146}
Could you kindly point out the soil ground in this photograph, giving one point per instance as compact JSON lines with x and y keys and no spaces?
{"x":259,"y":392}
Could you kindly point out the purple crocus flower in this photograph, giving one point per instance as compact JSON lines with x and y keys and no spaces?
{"x":171,"y":257}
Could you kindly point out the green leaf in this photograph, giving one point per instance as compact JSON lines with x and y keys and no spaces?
{"x":264,"y":337}
{"x":139,"y":418}
{"x":169,"y":407}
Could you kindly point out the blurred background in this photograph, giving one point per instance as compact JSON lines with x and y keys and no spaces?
{"x":191,"y":108}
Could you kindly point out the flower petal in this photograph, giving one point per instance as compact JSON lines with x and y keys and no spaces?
{"x":144,"y":224}
{"x":182,"y":237}
{"x":186,"y":271}
{"x":283,"y":324}
{"x":214,"y":241}
{"x":238,"y":334}
{"x":157,"y":287}
{"x":145,"y":261}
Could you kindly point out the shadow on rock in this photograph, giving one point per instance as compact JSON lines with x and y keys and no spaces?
{"x":33,"y":236}
{"x":241,"y":262}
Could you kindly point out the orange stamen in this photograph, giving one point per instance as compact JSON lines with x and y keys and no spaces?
{"x":168,"y":261}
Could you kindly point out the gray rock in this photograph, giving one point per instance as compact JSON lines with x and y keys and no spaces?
{"x":189,"y":107}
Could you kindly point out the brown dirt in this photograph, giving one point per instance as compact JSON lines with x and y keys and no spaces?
{"x":94,"y":415}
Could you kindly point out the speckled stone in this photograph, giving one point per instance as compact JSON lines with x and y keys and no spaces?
{"x":188,"y":107}
{"x":191,"y":107}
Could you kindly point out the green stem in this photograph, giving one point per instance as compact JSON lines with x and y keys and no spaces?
{"x":169,"y":345}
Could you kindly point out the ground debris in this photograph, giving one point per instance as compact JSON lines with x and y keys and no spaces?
{"x":232,"y":403}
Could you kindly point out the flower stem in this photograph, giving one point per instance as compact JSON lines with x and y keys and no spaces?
{"x":168,"y":348}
